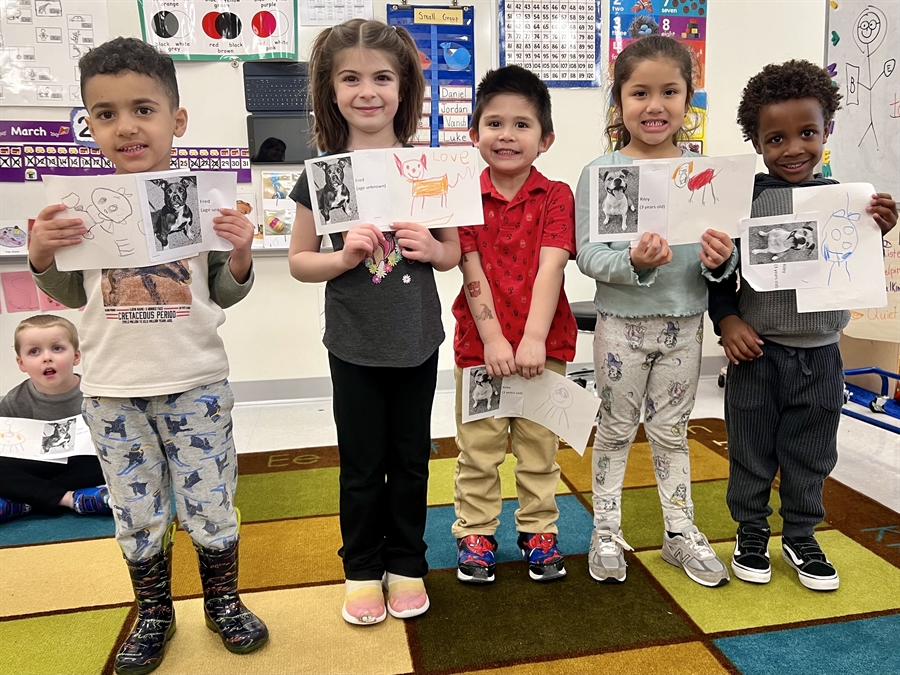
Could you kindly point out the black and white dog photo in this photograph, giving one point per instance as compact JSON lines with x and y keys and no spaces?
{"x":58,"y":437}
{"x":335,"y":190}
{"x":785,"y":243}
{"x":484,"y":391}
{"x":174,"y":211}
{"x":618,"y":194}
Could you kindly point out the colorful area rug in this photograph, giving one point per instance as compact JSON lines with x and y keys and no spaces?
{"x":65,"y":599}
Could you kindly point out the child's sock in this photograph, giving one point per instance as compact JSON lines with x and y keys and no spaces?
{"x":10,"y":509}
{"x":363,"y":602}
{"x":406,"y":596}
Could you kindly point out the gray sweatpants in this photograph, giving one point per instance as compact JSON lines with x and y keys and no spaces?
{"x":149,"y":447}
{"x":782,"y":411}
{"x":656,"y":359}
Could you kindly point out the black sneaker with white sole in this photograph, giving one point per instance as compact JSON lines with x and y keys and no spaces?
{"x":750,"y":561}
{"x":815,"y":570}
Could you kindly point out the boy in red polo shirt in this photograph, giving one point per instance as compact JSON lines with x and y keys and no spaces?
{"x":512,"y":315}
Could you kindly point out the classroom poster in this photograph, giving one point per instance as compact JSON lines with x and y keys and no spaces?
{"x":224,"y":30}
{"x":40,"y":44}
{"x":558,"y":41}
{"x":445,"y":38}
{"x":864,"y":144}
{"x":278,"y":209}
{"x":333,"y":12}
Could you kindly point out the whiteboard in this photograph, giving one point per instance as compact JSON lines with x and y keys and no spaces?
{"x":861,"y":54}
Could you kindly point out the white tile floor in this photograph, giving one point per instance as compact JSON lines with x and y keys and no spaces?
{"x":868,"y":457}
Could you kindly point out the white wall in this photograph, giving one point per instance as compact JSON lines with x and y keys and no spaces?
{"x":273,"y":337}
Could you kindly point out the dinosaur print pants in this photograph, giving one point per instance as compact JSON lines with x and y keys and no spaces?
{"x":654,"y":362}
{"x":151,"y":448}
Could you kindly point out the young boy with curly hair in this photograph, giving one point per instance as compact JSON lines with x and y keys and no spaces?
{"x":158,"y":403}
{"x":784,"y":388}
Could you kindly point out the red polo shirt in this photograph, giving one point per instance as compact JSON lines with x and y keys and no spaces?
{"x":541,"y":214}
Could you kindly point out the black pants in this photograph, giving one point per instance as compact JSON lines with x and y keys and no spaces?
{"x":383,"y":418}
{"x":782,"y":412}
{"x":43,"y":484}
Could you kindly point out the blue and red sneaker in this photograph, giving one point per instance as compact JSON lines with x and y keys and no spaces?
{"x":475,"y":562}
{"x":10,"y":509}
{"x":92,"y":501}
{"x":545,"y":562}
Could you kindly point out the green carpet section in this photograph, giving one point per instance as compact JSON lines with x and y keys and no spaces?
{"x":287,"y":494}
{"x":60,"y":644}
{"x":517,"y":619}
{"x":868,"y":584}
{"x":440,"y":481}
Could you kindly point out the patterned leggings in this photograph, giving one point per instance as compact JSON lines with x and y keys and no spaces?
{"x":657,"y":360}
{"x":149,"y":447}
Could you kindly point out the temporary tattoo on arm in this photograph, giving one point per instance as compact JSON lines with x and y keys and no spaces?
{"x":485,"y":314}
{"x":465,"y":258}
{"x":474,"y":288}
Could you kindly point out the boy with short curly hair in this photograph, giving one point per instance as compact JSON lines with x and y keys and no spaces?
{"x":784,"y":388}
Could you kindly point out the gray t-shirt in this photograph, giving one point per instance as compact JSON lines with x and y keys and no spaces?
{"x":385,"y":312}
{"x":26,"y":402}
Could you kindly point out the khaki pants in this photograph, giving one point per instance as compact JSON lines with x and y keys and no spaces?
{"x":482,"y":449}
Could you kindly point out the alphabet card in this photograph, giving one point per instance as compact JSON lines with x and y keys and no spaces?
{"x":627,"y":201}
{"x":142,"y":219}
{"x":852,"y":273}
{"x":435,"y":187}
{"x":707,"y":193}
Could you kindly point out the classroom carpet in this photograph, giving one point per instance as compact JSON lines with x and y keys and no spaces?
{"x":66,"y":602}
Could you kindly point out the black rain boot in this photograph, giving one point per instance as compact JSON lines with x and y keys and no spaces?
{"x":240,"y":629}
{"x":144,"y":649}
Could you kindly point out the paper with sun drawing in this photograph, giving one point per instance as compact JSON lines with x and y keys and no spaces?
{"x":141,"y":219}
{"x":781,"y":252}
{"x":852,"y":274}
{"x":436,"y":187}
{"x":53,"y":441}
{"x":707,"y":193}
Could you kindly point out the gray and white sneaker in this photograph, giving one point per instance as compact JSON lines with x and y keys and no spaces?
{"x":691,"y":551}
{"x":606,"y":558}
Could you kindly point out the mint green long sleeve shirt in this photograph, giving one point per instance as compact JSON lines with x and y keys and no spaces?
{"x":675,"y":289}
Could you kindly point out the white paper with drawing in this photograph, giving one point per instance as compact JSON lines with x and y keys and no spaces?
{"x":627,"y":201}
{"x":781,"y":252}
{"x":550,"y":400}
{"x":852,"y":276}
{"x":437,"y":187}
{"x":707,"y":193}
{"x":52,"y":441}
{"x":141,"y":219}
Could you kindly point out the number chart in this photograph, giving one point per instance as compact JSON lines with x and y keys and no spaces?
{"x":558,"y":41}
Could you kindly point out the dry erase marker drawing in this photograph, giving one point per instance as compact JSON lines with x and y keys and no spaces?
{"x":683,"y":178}
{"x":841,"y":240}
{"x":108,"y":209}
{"x":871,"y":27}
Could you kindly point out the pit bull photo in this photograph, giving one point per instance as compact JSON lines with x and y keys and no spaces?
{"x":175,"y":215}
{"x":334,"y":194}
{"x":779,"y":241}
{"x":616,"y":200}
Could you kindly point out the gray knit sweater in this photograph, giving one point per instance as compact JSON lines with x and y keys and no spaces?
{"x":773,"y":314}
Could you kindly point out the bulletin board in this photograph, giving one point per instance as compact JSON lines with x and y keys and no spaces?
{"x":557,"y":40}
{"x":445,"y":37}
{"x":864,"y":145}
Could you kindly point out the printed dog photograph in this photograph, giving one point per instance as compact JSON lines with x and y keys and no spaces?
{"x":618,"y":194}
{"x":174,"y":211}
{"x":58,"y":437}
{"x":483,"y":391}
{"x":793,"y":242}
{"x":335,"y":190}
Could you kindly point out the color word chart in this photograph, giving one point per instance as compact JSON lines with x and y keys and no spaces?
{"x":558,"y":41}
{"x":445,"y":38}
